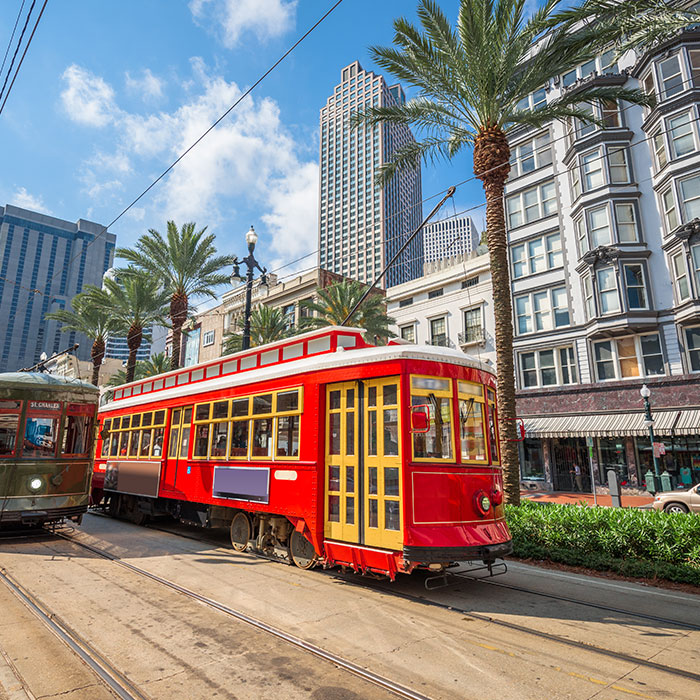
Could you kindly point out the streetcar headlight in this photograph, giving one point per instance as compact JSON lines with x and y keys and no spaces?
{"x":35,"y":483}
{"x":485,"y":503}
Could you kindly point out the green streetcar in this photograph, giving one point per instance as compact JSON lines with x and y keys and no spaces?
{"x":46,"y":447}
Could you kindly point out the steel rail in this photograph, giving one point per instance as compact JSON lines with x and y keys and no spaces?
{"x":385,"y":683}
{"x":113,"y":679}
{"x":590,"y":604}
{"x":373,"y":584}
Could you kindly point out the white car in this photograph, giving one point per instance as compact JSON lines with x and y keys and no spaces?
{"x":679,"y":501}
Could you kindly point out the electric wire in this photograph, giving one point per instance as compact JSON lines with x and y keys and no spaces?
{"x":26,"y":48}
{"x":19,"y":43}
{"x":12,"y":36}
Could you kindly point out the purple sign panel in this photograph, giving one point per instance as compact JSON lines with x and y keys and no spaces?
{"x":242,"y":483}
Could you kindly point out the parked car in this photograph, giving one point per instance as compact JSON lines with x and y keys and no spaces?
{"x":679,"y":501}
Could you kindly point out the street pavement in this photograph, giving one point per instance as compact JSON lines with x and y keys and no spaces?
{"x":470,"y":639}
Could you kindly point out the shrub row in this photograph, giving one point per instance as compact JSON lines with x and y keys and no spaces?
{"x":637,"y":543}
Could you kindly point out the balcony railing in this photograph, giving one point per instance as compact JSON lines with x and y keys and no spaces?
{"x":473,"y":334}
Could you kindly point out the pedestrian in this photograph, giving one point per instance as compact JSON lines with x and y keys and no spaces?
{"x":578,"y":477}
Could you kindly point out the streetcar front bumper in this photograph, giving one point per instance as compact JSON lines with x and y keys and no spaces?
{"x":434,"y":555}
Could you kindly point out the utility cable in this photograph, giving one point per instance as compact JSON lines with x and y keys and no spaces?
{"x":12,"y":36}
{"x":19,"y":43}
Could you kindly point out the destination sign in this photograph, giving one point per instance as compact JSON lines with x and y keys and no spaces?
{"x":45,"y":405}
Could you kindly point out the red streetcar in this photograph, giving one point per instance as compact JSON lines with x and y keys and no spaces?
{"x":321,"y":448}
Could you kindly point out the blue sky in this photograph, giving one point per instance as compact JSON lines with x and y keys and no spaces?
{"x":111,"y":92}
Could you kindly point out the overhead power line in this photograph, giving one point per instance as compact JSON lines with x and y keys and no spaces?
{"x":17,"y":48}
{"x":12,"y":37}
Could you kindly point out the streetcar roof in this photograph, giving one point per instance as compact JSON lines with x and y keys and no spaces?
{"x":342,"y":357}
{"x":42,"y":381}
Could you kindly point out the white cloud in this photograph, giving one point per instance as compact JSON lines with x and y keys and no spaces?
{"x":148,"y":85}
{"x":26,"y":200}
{"x":87,"y":98}
{"x":250,"y":161}
{"x":236,"y":18}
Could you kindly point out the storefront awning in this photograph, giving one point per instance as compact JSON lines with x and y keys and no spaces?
{"x":607,"y":424}
{"x":688,"y":422}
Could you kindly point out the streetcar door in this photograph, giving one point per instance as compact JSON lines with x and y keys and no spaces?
{"x":178,"y":443}
{"x":342,"y":515}
{"x":382,"y":464}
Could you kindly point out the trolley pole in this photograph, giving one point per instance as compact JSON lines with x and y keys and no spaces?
{"x":252,"y":264}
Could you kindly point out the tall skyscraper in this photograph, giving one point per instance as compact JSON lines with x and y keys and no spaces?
{"x":44,"y":263}
{"x":361,"y":226}
{"x":448,"y":238}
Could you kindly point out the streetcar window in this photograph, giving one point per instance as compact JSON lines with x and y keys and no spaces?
{"x":471,"y":421}
{"x":172,"y":449}
{"x":135,"y":420}
{"x":436,"y":443}
{"x":262,"y":437}
{"x":40,"y":436}
{"x":262,"y":404}
{"x":240,"y":407}
{"x":201,"y":440}
{"x":134,"y":444}
{"x":157,"y":449}
{"x":145,"y":443}
{"x":219,"y":439}
{"x":493,"y":430}
{"x":288,"y":436}
{"x":288,"y":401}
{"x":176,"y":417}
{"x":220,"y":410}
{"x":239,"y":438}
{"x":201,"y":412}
{"x":146,"y":419}
{"x":391,"y":431}
{"x":123,"y":443}
{"x":334,"y":433}
{"x":114,"y":446}
{"x":76,"y":436}
{"x":392,"y":519}
{"x":9,"y":423}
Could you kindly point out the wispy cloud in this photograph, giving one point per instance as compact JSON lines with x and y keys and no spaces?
{"x":26,"y":200}
{"x":87,"y":98}
{"x":233,"y":19}
{"x":148,"y":86}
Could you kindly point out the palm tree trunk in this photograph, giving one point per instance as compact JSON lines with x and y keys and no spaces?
{"x":133,"y":341}
{"x":97,"y":353}
{"x":178,"y":316}
{"x":491,"y":156}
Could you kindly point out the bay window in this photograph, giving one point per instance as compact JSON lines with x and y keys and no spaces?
{"x":607,"y":290}
{"x":660,"y":149}
{"x":551,"y":367}
{"x":670,"y":76}
{"x":670,"y":211}
{"x":680,"y":277}
{"x":692,"y":345}
{"x":531,"y":205}
{"x":695,"y":255}
{"x":632,"y":356}
{"x":592,"y":170}
{"x":626,"y":222}
{"x":542,"y":310}
{"x":680,"y":134}
{"x":690,"y":197}
{"x":635,"y":286}
{"x":589,"y":301}
{"x":617,"y":164}
{"x":599,"y":226}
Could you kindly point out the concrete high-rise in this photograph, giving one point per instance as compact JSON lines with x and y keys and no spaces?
{"x":448,"y":238}
{"x":361,"y":226}
{"x":44,"y":263}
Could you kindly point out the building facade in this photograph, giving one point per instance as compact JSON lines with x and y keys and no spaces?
{"x":604,"y":238}
{"x":362,"y":226}
{"x":449,"y":238}
{"x":44,"y":263}
{"x":451,"y":306}
{"x":117,"y":348}
{"x":207,"y":331}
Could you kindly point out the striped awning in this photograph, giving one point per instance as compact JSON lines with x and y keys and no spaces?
{"x":607,"y":424}
{"x":688,"y":422}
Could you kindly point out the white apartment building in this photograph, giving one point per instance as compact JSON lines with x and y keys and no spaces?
{"x":451,"y":305}
{"x":448,"y":238}
{"x":604,"y":235}
{"x":362,"y":226}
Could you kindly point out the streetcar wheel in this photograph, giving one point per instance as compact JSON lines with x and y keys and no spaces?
{"x":241,"y":531}
{"x":676,"y":508}
{"x":301,"y":551}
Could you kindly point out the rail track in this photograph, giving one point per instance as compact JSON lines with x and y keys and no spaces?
{"x":390,"y":589}
{"x":108,"y":674}
{"x":347,"y":665}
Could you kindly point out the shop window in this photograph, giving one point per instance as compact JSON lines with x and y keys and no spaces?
{"x":532,"y":464}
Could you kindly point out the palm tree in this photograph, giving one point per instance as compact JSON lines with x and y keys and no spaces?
{"x":337,"y":300}
{"x":155,"y":364}
{"x":135,"y":301}
{"x":185,"y":264}
{"x":90,"y":320}
{"x":267,"y":324}
{"x":472,"y":81}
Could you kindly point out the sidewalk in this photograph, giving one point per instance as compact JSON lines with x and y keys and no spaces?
{"x":576,"y":498}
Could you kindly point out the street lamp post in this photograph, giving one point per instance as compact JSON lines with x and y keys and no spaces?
{"x":649,"y":422}
{"x":251,"y":238}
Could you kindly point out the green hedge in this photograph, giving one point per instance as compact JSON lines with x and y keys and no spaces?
{"x":638,"y":543}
